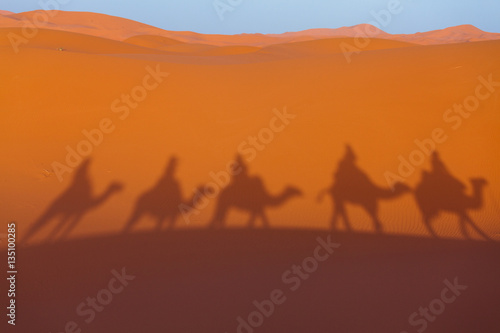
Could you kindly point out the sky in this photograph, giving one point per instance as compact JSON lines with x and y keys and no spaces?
{"x":278,"y":16}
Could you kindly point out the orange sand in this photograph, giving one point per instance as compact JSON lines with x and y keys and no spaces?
{"x":214,"y":98}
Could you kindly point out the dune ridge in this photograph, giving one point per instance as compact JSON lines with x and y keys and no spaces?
{"x":53,"y":39}
{"x":117,"y":28}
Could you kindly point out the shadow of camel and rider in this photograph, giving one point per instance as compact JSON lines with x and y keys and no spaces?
{"x":439,"y":191}
{"x":352,"y":185}
{"x":162,"y":201}
{"x":248,"y":193}
{"x":71,"y":205}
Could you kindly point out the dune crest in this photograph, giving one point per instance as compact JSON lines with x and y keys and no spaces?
{"x":121,"y":29}
{"x":457,"y":34}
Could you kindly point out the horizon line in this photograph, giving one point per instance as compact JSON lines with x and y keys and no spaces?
{"x":250,"y":33}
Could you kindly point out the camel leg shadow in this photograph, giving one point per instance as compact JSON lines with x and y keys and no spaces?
{"x":251,"y":221}
{"x":55,"y":231}
{"x":265,"y":220}
{"x":372,"y":210}
{"x":42,"y":221}
{"x":131,"y":222}
{"x":159,"y":223}
{"x":464,"y":218}
{"x":428,"y":225}
{"x":339,"y":212}
{"x":71,"y":226}
{"x":171,"y":222}
{"x":218,"y":220}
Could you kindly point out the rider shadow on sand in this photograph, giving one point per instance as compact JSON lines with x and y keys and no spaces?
{"x":248,"y":193}
{"x":352,"y":185}
{"x":162,"y":201}
{"x":439,"y":190}
{"x":72,"y":204}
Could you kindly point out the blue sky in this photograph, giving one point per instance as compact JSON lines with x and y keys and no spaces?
{"x":277,"y":16}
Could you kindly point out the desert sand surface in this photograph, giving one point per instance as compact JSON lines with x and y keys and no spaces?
{"x":110,"y":128}
{"x":209,"y":102}
{"x":188,"y":281}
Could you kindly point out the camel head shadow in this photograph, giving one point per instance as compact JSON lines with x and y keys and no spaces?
{"x":292,"y":191}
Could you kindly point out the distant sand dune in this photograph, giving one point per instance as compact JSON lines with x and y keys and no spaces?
{"x":72,"y":42}
{"x":117,"y":28}
{"x":458,"y":34}
{"x":230,"y":50}
{"x":151,"y":41}
{"x":330,"y":46}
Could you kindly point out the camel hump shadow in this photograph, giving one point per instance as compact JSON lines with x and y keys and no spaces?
{"x":439,"y":191}
{"x":71,"y":205}
{"x":162,"y":201}
{"x":248,"y":193}
{"x":352,"y":185}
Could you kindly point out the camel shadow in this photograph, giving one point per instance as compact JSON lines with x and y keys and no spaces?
{"x":76,"y":201}
{"x":352,"y":185}
{"x":162,"y":201}
{"x":248,"y":193}
{"x":439,"y":191}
